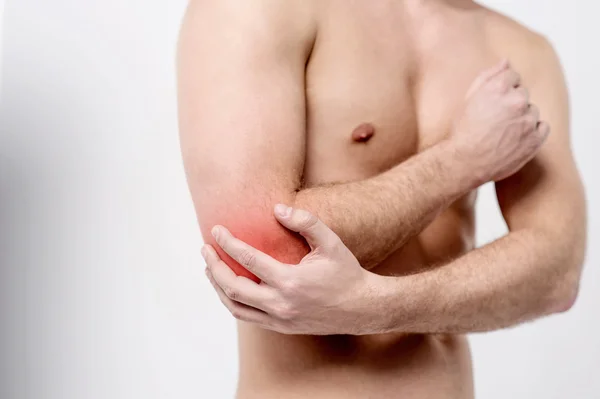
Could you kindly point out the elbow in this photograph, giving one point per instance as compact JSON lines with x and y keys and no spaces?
{"x":564,"y":297}
{"x":261,"y":232}
{"x":563,"y":287}
{"x":564,"y":290}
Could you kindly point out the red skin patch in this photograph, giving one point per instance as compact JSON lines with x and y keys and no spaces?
{"x":260,"y":231}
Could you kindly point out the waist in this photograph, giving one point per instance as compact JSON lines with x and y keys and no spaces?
{"x":274,"y":365}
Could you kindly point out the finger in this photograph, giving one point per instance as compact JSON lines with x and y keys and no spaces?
{"x":486,"y":75}
{"x":507,"y":79}
{"x":210,"y":256}
{"x":523,"y":93}
{"x":535,"y":113}
{"x":258,"y":263}
{"x":519,"y":101}
{"x":239,"y":310}
{"x":543,"y":129}
{"x":316,"y":233}
{"x":237,"y":288}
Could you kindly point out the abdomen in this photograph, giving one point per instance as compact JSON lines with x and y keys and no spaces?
{"x":412,"y":367}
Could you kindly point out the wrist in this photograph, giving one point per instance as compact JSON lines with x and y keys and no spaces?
{"x":387,"y":301}
{"x":405,"y":302}
{"x":459,"y":166}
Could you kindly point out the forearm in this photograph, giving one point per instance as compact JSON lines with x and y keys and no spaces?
{"x":525,"y":275}
{"x":376,"y":216}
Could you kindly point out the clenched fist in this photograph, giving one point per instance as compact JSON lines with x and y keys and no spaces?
{"x":499,"y":130}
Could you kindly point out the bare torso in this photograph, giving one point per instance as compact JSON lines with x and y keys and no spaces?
{"x":404,"y":68}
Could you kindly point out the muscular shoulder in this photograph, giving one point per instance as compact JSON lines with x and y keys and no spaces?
{"x":281,"y":24}
{"x":529,"y":52}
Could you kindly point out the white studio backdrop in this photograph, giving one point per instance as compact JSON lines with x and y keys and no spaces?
{"x":102,"y":287}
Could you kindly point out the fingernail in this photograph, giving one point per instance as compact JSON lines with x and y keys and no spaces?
{"x":204,"y":252}
{"x":288,"y":212}
{"x":215,"y":232}
{"x":282,"y":210}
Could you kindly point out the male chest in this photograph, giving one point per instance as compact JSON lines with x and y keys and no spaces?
{"x":370,"y":66}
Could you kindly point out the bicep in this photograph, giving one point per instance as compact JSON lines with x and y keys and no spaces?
{"x":242,"y":116}
{"x":547,"y":192}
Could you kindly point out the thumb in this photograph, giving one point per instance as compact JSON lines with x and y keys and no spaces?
{"x":486,"y":75}
{"x":316,"y":233}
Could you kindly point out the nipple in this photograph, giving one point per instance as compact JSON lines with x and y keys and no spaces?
{"x":363,"y":133}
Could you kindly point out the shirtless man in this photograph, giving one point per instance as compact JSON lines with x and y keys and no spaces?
{"x":374,"y":118}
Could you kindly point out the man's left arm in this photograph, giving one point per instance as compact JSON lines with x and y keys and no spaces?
{"x":535,"y":269}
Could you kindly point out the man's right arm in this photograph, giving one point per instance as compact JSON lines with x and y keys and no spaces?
{"x":242,"y":123}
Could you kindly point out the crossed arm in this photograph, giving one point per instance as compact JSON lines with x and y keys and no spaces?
{"x":535,"y":269}
{"x":242,"y":124}
{"x":531,"y":272}
{"x":244,"y":153}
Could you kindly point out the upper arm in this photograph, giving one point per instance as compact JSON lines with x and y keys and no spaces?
{"x":242,"y":116}
{"x":547,"y":193}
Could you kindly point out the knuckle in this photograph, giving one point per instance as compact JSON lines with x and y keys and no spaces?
{"x":531,"y":121}
{"x":533,"y":109}
{"x":290,"y":287}
{"x":544,"y":128}
{"x":231,"y":293}
{"x":520,"y":103}
{"x":237,"y":314}
{"x":526,"y":125}
{"x":306,"y":220}
{"x":542,"y":134}
{"x":282,"y":312}
{"x":247,"y":258}
{"x":517,"y":78}
{"x":269,"y":325}
{"x":244,"y":317}
{"x":331,"y":242}
{"x":286,"y":312}
{"x":500,"y":85}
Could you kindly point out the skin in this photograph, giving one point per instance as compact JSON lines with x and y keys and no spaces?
{"x":398,"y":204}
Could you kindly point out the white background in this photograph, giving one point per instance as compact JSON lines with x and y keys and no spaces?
{"x":103,"y":293}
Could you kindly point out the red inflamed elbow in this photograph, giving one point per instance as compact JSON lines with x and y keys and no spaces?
{"x":260,"y":231}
